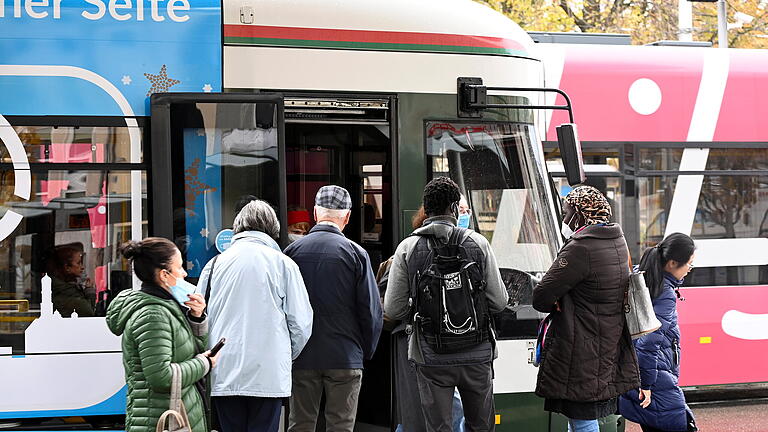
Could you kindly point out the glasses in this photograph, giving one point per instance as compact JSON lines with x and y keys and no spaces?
{"x":690,"y":266}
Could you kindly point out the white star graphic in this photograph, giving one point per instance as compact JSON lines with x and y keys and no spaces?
{"x":190,"y":265}
{"x":204,"y":232}
{"x":126,"y":80}
{"x":207,"y":88}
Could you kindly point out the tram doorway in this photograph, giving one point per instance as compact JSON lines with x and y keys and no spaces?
{"x":348,"y":143}
{"x":353,"y":154}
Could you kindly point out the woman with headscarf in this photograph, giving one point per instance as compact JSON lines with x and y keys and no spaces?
{"x":588,"y":359}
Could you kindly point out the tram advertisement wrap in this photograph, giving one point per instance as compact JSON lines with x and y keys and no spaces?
{"x":126,"y":50}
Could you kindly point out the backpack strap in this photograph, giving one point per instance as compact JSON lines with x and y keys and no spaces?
{"x":208,"y":285}
{"x":457,"y":237}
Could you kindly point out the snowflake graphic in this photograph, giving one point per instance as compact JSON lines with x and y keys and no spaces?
{"x":160,"y":82}
{"x":126,"y":80}
{"x":207,"y":88}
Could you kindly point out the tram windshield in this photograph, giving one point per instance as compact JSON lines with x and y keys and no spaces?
{"x":495,"y":166}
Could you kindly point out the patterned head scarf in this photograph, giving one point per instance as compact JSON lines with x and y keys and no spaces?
{"x":590,"y":204}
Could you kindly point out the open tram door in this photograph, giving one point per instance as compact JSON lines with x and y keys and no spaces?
{"x":212,"y":153}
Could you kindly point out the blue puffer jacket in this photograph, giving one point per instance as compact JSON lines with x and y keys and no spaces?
{"x":658,"y":355}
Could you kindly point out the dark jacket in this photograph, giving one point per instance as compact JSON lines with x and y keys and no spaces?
{"x":344,"y":296}
{"x":658,"y":355}
{"x":69,"y":296}
{"x":588,"y":354}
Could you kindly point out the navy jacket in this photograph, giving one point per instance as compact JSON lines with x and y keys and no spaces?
{"x":658,"y":355}
{"x":344,"y":296}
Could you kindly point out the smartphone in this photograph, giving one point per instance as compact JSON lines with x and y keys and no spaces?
{"x":218,"y":346}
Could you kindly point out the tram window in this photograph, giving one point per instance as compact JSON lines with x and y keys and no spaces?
{"x":727,"y":207}
{"x":228,"y":153}
{"x":69,"y":144}
{"x":668,"y":159}
{"x":494,"y":167}
{"x":71,"y":228}
{"x":609,"y":186}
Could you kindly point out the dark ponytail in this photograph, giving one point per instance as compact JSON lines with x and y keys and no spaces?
{"x":148,"y":256}
{"x":678,"y":247}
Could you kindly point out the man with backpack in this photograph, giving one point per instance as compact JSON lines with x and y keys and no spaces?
{"x":444,"y":281}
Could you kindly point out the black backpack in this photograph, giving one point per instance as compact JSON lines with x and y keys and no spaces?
{"x":448,"y":296}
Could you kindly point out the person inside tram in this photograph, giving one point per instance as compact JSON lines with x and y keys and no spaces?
{"x":299,"y":223}
{"x":658,"y":353}
{"x":71,"y":291}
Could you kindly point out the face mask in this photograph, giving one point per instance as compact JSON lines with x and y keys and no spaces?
{"x":566,"y":230}
{"x":293,"y":237}
{"x":181,"y":289}
{"x":463,"y":220}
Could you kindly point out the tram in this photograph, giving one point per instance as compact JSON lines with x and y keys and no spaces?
{"x":675,"y":137}
{"x":124,"y":119}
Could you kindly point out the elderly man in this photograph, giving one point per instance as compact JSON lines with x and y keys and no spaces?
{"x":348,"y":317}
{"x":258,"y":302}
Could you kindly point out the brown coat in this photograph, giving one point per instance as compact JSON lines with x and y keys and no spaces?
{"x":588,"y":355}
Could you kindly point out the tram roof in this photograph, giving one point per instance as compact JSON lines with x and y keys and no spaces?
{"x":450,"y":26}
{"x":658,"y":93}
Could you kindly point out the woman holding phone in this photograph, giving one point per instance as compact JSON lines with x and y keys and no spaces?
{"x":157,"y":331}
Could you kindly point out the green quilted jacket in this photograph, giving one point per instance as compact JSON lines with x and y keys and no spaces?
{"x":155,"y":333}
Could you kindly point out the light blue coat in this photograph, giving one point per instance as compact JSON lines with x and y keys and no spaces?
{"x":259,"y":303}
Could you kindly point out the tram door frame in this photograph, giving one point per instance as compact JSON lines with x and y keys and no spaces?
{"x":162,"y":152}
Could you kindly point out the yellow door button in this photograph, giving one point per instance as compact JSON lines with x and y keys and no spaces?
{"x":705,"y":339}
{"x":498,"y":419}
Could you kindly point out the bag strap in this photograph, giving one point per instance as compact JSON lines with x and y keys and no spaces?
{"x":627,"y":308}
{"x":457,"y":236}
{"x":208,"y":285}
{"x":175,"y":404}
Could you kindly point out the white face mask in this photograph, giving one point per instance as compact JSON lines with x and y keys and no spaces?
{"x":566,"y":230}
{"x":293,"y":237}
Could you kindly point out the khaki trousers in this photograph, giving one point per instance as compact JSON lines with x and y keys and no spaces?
{"x":342,"y":388}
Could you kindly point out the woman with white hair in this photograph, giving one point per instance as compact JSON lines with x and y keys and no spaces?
{"x":258,"y":302}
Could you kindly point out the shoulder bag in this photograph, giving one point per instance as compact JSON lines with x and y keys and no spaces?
{"x":176,"y":416}
{"x":638,"y":307}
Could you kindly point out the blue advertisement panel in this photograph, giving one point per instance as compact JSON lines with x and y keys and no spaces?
{"x":105,"y":57}
{"x":203,"y":199}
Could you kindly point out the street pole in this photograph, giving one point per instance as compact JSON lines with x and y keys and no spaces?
{"x":685,"y":20}
{"x":722,"y":25}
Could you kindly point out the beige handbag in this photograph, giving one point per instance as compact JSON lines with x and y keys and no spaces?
{"x":176,"y":415}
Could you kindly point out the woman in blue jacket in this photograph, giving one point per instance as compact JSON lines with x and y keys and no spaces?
{"x":659,"y":405}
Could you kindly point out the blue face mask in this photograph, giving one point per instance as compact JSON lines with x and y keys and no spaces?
{"x":181,"y":289}
{"x":463,"y":220}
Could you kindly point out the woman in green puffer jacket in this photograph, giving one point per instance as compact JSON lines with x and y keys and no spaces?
{"x":157,"y":332}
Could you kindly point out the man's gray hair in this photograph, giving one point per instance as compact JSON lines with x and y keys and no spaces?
{"x":257,"y":215}
{"x":324,"y":213}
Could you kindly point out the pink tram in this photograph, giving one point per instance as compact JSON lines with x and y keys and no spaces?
{"x":677,"y":138}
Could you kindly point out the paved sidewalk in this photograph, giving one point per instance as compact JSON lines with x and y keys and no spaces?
{"x":742,"y":416}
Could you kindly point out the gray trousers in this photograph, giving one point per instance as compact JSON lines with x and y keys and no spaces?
{"x":475,"y":384}
{"x":342,"y":388}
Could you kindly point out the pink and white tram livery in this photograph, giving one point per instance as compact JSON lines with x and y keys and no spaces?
{"x":676,"y":138}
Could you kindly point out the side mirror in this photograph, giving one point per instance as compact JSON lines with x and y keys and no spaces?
{"x":570,"y":151}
